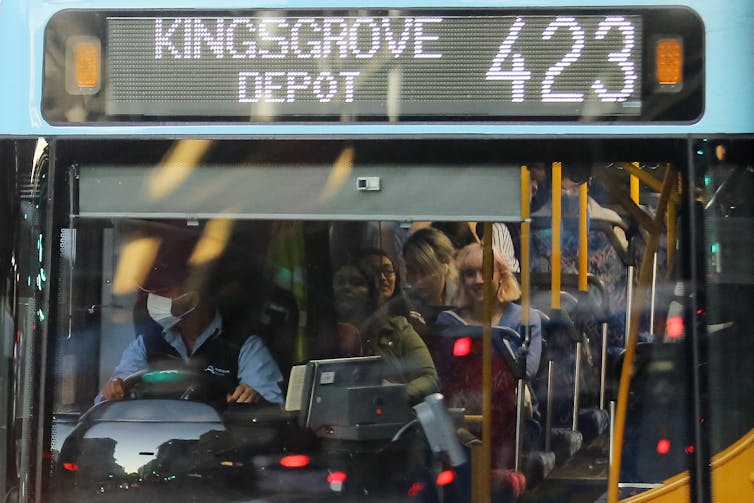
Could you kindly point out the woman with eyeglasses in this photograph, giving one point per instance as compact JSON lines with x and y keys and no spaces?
{"x":364,"y":330}
{"x":385,"y":275}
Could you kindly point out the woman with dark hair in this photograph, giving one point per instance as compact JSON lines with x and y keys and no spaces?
{"x":363,"y":330}
{"x":385,"y":275}
{"x":391,"y":298}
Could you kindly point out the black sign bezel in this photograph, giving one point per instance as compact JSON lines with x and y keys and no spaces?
{"x":685,"y":105}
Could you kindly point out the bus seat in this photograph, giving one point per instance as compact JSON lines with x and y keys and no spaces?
{"x":594,"y":301}
{"x":565,"y":443}
{"x":607,"y":263}
{"x":593,"y":422}
{"x":538,"y":465}
{"x":462,"y":385}
{"x":576,"y":322}
{"x":559,"y":343}
{"x":656,"y":368}
{"x":616,"y":235}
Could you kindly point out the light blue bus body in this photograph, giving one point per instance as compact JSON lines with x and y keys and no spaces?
{"x":729,"y":66}
{"x":76,"y":196}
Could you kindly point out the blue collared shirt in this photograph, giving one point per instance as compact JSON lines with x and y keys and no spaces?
{"x":256,"y":367}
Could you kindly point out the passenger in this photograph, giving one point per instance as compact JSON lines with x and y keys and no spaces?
{"x":392,"y":299}
{"x":347,"y":239}
{"x":193,"y":336}
{"x":607,"y":254}
{"x":465,"y":233}
{"x":364,"y":330}
{"x":385,"y":276}
{"x":431,"y":272}
{"x":504,"y":312}
{"x":502,"y":243}
{"x":459,"y":233}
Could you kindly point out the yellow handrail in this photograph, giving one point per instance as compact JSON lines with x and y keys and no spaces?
{"x":645,"y":278}
{"x":483,"y":486}
{"x":634,"y":186}
{"x":556,"y":218}
{"x":671,"y":235}
{"x":647,"y":179}
{"x":525,"y":230}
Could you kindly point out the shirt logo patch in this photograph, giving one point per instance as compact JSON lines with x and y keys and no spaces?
{"x":217,"y":371}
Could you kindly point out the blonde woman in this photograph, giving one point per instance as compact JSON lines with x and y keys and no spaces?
{"x":505,"y":313}
{"x":431,"y":272}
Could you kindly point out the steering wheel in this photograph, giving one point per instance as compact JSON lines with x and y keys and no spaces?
{"x":183,"y":384}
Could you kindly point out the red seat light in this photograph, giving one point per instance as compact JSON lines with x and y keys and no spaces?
{"x":295,"y":461}
{"x":337,"y":477}
{"x":663,"y":446}
{"x":445,"y":477}
{"x":415,"y":489}
{"x":675,"y":327}
{"x":462,"y":346}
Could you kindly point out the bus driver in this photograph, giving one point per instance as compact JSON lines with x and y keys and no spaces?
{"x":193,"y":336}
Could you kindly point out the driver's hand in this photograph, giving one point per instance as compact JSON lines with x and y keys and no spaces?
{"x":114,"y":389}
{"x":244,"y":394}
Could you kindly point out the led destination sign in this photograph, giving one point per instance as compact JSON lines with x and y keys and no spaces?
{"x":382,"y":66}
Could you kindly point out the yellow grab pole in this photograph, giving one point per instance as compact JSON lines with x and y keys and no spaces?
{"x":583,"y":237}
{"x":671,"y":234}
{"x":525,"y":303}
{"x":556,"y":217}
{"x":617,"y":192}
{"x":634,"y":187}
{"x":645,"y":278}
{"x":633,"y":169}
{"x":671,"y":218}
{"x":647,"y":179}
{"x":525,"y":230}
{"x":484,"y":461}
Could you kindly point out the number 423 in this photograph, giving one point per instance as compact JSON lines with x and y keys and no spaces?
{"x":517,"y":73}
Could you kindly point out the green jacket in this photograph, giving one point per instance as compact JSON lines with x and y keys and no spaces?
{"x":405,"y":355}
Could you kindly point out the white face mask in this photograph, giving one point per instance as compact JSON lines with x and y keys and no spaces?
{"x":160,"y":309}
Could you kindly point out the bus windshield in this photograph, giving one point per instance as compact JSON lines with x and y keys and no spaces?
{"x":198,"y":282}
{"x":436,"y":252}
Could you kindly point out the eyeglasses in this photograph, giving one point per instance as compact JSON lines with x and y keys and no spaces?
{"x":386,"y":271}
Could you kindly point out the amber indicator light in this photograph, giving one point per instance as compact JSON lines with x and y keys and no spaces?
{"x":83,"y":65}
{"x":669,"y":61}
{"x":87,"y":64}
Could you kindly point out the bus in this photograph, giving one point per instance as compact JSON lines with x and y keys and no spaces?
{"x":273,"y":252}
